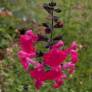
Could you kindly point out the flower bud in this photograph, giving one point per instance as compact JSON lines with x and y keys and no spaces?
{"x":21,"y":30}
{"x":59,"y":37}
{"x":42,"y":38}
{"x":52,"y":4}
{"x":58,"y":10}
{"x":39,"y":53}
{"x":47,"y":46}
{"x":25,"y":87}
{"x":48,"y":8}
{"x":45,"y":24}
{"x":59,"y":24}
{"x":48,"y":30}
{"x":1,"y":54}
{"x":55,"y":18}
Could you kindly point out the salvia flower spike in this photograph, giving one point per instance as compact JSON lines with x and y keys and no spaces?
{"x":49,"y":64}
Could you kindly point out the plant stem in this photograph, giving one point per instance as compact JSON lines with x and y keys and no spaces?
{"x":52,"y":28}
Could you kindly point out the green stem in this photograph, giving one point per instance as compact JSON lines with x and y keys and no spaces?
{"x":52,"y":27}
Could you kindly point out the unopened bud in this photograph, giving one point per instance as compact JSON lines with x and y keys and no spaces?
{"x":48,"y":30}
{"x":59,"y":24}
{"x":52,"y":4}
{"x":58,"y":10}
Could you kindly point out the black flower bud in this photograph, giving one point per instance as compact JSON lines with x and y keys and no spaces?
{"x":58,"y":10}
{"x":21,"y":30}
{"x":55,"y":18}
{"x":59,"y":24}
{"x":48,"y":8}
{"x":42,"y":38}
{"x":52,"y":4}
{"x":39,"y":53}
{"x":48,"y":30}
{"x":25,"y":87}
{"x":45,"y":24}
{"x":1,"y":54}
{"x":11,"y":28}
{"x":49,"y":45}
{"x":59,"y":37}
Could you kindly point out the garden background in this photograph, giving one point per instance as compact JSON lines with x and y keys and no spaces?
{"x":21,"y":14}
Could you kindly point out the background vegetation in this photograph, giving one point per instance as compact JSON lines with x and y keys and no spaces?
{"x":77,"y":17}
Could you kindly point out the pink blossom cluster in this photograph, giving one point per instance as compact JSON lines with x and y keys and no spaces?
{"x":55,"y":59}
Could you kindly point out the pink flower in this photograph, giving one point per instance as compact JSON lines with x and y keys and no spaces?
{"x":54,"y":57}
{"x":74,"y":45}
{"x":74,"y":56}
{"x":70,"y":67}
{"x":58,"y":44}
{"x":58,"y":83}
{"x":26,"y":44}
{"x":32,"y":36}
{"x":53,"y":74}
{"x":38,"y":73}
{"x":27,"y":41}
{"x":71,"y":70}
{"x":38,"y":84}
{"x":25,"y":59}
{"x":22,"y":56}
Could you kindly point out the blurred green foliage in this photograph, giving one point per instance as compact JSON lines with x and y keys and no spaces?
{"x":77,"y":16}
